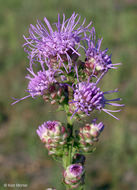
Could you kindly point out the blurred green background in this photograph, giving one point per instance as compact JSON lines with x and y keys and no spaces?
{"x":23,"y":158}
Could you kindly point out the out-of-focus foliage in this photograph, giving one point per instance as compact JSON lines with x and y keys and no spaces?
{"x":23,"y":159}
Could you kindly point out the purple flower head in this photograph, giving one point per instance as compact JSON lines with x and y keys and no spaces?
{"x":88,"y":97}
{"x":48,"y":128}
{"x":39,"y":83}
{"x":73,"y":175}
{"x":51,"y":46}
{"x":53,"y":134}
{"x":96,"y":59}
{"x":89,"y":134}
{"x":92,"y":130}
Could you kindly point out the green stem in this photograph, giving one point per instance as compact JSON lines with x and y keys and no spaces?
{"x":69,"y":151}
{"x":70,"y":125}
{"x":67,"y":158}
{"x":81,"y":187}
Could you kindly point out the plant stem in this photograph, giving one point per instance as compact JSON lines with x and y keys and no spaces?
{"x":68,"y":154}
{"x":70,"y":125}
{"x":67,"y":157}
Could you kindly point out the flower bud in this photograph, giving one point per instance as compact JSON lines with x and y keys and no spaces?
{"x":79,"y":114}
{"x":89,"y":134}
{"x":54,"y":135}
{"x":92,"y":66}
{"x":79,"y":158}
{"x":73,"y":175}
{"x":55,"y":93}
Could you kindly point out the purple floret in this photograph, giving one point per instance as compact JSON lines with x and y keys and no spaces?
{"x":100,"y":126}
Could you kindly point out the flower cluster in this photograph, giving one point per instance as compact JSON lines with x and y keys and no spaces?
{"x":89,"y":134}
{"x":62,"y":69}
{"x":53,"y":135}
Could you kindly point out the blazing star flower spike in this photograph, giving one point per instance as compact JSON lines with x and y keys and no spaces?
{"x":73,"y":175}
{"x":54,"y":135}
{"x":88,"y":97}
{"x":49,"y":46}
{"x":65,"y":78}
{"x":97,"y":61}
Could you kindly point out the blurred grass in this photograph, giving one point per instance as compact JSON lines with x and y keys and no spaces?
{"x":22,"y":157}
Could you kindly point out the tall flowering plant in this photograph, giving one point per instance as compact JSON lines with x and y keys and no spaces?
{"x":72,"y":83}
